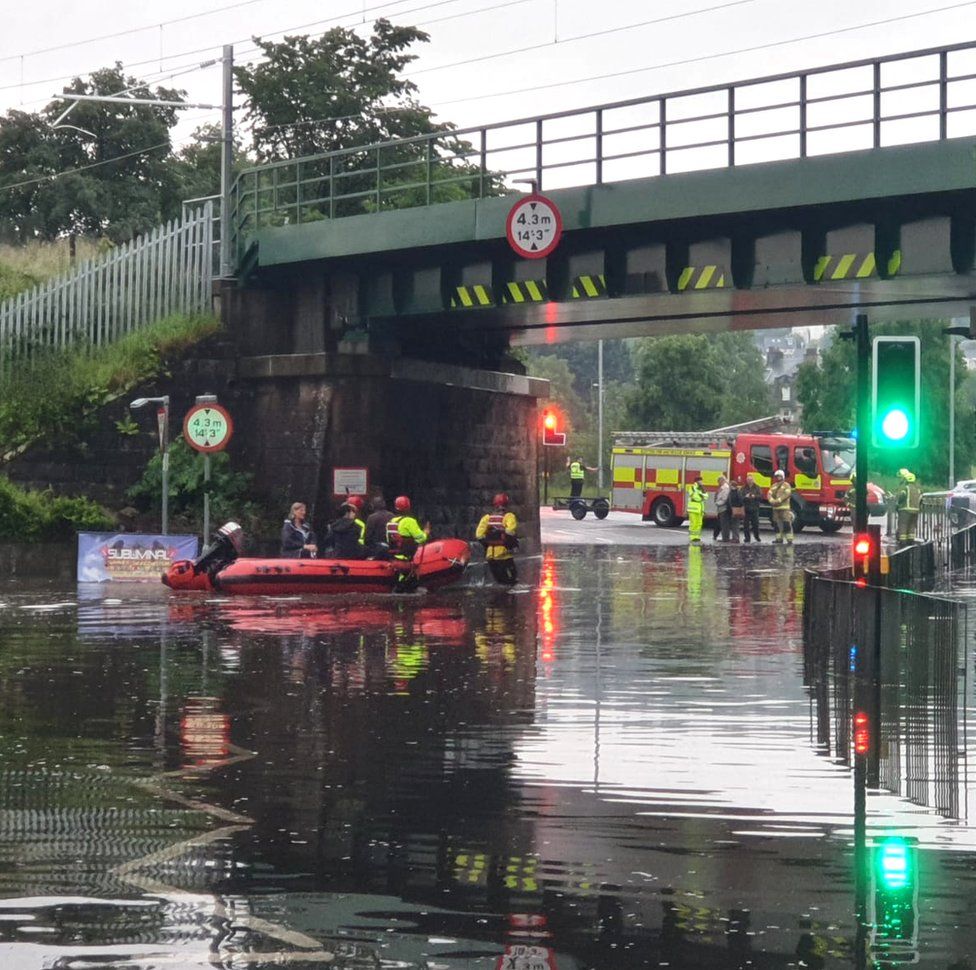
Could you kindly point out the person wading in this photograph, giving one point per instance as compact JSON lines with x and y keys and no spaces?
{"x":404,"y":537}
{"x":497,"y":533}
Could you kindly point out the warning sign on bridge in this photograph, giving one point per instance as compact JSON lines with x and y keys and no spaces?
{"x":534,"y":226}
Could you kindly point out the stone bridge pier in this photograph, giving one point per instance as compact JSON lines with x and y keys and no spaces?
{"x":315,"y":391}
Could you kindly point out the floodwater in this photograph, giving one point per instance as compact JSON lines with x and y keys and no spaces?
{"x":616,"y":766}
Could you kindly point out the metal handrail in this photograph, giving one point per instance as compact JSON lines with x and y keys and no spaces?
{"x":361,"y":179}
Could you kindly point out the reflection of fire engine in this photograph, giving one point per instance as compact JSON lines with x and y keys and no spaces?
{"x":653,"y":470}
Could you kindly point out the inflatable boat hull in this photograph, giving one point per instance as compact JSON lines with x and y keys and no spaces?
{"x":437,"y":563}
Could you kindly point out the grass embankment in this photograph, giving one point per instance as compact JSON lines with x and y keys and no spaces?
{"x":57,"y":399}
{"x":22,"y":267}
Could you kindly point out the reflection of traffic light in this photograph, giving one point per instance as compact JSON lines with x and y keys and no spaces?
{"x":551,"y":435}
{"x":894,"y":873}
{"x":862,"y":733}
{"x":895,"y":392}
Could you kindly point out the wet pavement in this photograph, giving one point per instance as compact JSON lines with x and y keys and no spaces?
{"x":616,"y":765}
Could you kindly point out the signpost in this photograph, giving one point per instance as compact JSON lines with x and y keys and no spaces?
{"x":207,"y":428}
{"x":534,"y":226}
{"x":349,"y":481}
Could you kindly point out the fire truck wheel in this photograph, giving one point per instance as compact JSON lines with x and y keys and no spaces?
{"x":830,"y":526}
{"x":798,"y":522}
{"x":601,"y":508}
{"x":662,"y":513}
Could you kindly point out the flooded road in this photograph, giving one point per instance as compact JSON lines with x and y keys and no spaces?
{"x":616,"y":766}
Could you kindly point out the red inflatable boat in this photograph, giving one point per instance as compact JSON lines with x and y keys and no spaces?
{"x":437,"y":563}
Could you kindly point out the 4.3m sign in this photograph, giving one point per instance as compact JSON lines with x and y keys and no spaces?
{"x":534,"y":226}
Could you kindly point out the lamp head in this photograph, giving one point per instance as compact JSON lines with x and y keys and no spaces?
{"x":139,"y":402}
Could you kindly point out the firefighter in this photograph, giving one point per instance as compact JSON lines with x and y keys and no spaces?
{"x":403,"y":533}
{"x":496,"y":533}
{"x":780,"y":493}
{"x":577,"y":472}
{"x":907,"y":500}
{"x":696,"y":510}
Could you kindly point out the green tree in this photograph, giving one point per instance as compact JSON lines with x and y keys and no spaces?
{"x":693,"y":382}
{"x":313,"y":95}
{"x":113,"y":175}
{"x":826,"y":392}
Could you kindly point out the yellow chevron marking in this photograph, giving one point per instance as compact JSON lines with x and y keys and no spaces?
{"x":465,"y":296}
{"x":685,"y":278}
{"x":818,"y":271}
{"x":894,"y":263}
{"x":706,"y":277}
{"x":589,"y":286}
{"x":843,"y":266}
{"x":867,"y":267}
{"x":515,"y":292}
{"x":535,"y":293}
{"x":484,"y":297}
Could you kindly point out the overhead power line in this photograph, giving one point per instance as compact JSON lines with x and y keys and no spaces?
{"x":54,"y":176}
{"x":709,"y":57}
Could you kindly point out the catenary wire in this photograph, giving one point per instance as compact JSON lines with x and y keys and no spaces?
{"x":709,"y":57}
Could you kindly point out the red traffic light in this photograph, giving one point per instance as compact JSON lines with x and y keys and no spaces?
{"x":862,"y":733}
{"x":550,"y":422}
{"x":862,"y":545}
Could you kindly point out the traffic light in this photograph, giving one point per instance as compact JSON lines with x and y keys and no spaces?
{"x":895,"y":392}
{"x":894,"y":873}
{"x":551,"y":435}
{"x":867,"y":554}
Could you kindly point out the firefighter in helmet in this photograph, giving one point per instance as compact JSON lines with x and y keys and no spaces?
{"x":696,"y":510}
{"x":780,"y":493}
{"x":403,"y":533}
{"x":497,"y":534}
{"x":907,"y":501}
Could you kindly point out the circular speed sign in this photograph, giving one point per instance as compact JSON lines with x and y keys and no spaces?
{"x":534,"y":226}
{"x":207,"y":428}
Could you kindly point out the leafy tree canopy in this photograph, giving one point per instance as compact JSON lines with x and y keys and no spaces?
{"x":692,"y":382}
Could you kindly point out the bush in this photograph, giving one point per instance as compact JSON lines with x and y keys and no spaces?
{"x":26,"y":515}
{"x":229,"y":490}
{"x":53,"y":396}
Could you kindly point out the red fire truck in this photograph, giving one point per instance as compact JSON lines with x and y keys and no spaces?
{"x":652,"y":471}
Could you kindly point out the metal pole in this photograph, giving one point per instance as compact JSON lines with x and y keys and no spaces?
{"x":599,"y":415}
{"x":164,"y":445}
{"x":863,"y":421}
{"x":952,"y":411}
{"x":226,"y":162}
{"x":206,"y":498}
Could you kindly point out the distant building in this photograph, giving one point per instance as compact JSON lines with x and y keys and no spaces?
{"x":783,"y":354}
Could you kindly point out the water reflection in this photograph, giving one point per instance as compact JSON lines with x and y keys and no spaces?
{"x":613,"y":769}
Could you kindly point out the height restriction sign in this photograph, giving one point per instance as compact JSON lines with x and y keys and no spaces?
{"x":207,"y":427}
{"x":534,"y":226}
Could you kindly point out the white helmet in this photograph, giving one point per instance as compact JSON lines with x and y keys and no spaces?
{"x":779,"y":473}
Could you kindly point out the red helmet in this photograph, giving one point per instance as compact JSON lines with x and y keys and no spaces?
{"x":402,"y":503}
{"x":355,"y":501}
{"x":500,"y":500}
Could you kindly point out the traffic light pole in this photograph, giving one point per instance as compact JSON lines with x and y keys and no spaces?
{"x":862,"y":341}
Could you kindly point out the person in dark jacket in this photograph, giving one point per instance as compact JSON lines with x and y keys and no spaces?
{"x":298,"y":541}
{"x":736,"y":511}
{"x":752,"y":497}
{"x":376,"y":525}
{"x":347,"y":533}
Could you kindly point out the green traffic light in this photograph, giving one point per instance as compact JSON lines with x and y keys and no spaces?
{"x":893,"y":864}
{"x":894,"y":425}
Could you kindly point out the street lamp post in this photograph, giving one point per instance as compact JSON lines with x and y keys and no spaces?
{"x":162,"y":418}
{"x":953,"y":332}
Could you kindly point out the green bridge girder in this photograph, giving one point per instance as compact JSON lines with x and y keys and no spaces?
{"x":888,"y":230}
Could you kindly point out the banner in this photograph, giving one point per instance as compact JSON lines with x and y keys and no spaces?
{"x":129,"y":557}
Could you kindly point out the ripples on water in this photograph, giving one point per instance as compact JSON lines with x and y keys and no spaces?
{"x":614,"y":768}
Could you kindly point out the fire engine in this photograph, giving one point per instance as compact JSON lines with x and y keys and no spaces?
{"x":652,"y":470}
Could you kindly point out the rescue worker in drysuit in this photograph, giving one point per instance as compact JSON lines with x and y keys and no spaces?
{"x":497,"y":534}
{"x":907,"y":501}
{"x":404,"y":537}
{"x":696,"y":510}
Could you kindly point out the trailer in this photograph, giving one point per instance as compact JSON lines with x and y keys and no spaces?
{"x":578,"y":507}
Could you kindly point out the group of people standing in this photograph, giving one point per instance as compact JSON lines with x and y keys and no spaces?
{"x":384,"y":534}
{"x":737,"y":503}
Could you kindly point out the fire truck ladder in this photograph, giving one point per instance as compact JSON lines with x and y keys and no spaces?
{"x":716,"y":437}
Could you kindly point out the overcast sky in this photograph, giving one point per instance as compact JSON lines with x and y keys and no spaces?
{"x":552,"y":52}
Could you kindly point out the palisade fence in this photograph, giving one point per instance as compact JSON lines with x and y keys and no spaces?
{"x":921,"y":686}
{"x":169,"y":270}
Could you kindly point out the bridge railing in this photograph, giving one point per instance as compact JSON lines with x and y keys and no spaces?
{"x":924,"y":95}
{"x":167,"y":271}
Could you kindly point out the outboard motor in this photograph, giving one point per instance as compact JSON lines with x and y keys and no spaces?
{"x":225,"y":546}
